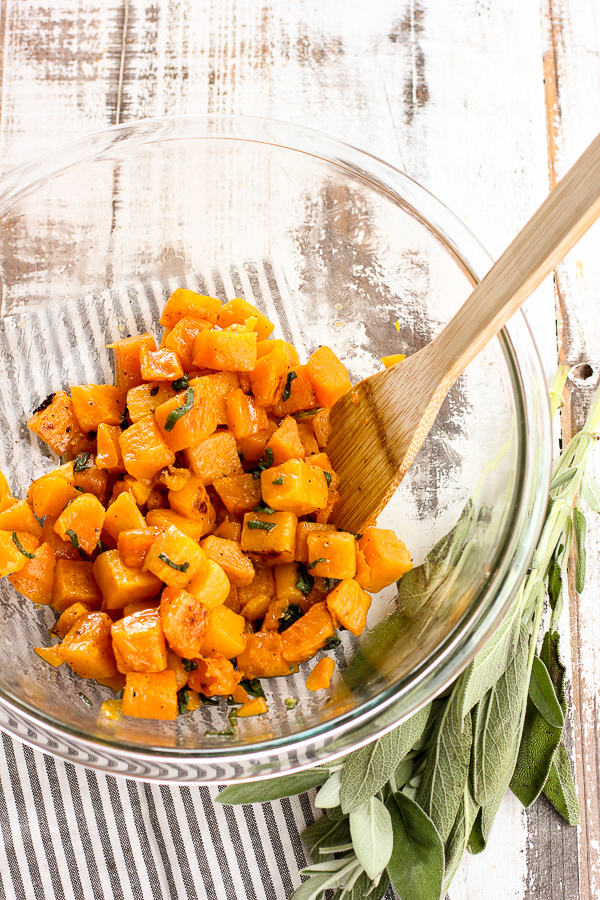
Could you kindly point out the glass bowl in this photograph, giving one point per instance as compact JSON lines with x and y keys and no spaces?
{"x":337,"y":248}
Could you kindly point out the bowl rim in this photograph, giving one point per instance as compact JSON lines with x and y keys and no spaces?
{"x":433,"y":674}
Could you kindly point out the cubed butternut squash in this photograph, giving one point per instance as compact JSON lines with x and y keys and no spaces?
{"x":214,"y":677}
{"x":133,"y":545}
{"x":121,"y":584}
{"x":160,"y":365}
{"x":74,"y":582}
{"x":320,"y":677}
{"x":139,"y":642}
{"x":307,"y":635}
{"x":215,"y":457}
{"x":144,"y":451}
{"x":123,"y":515}
{"x":295,"y":487}
{"x":269,"y":539}
{"x":225,"y":635}
{"x":188,"y":304}
{"x":211,"y":585}
{"x":193,"y":502}
{"x":50,"y":493}
{"x":215,"y":388}
{"x":285,"y":443}
{"x":174,"y":558}
{"x":226,"y":351}
{"x":350,"y":604}
{"x":275,"y":611}
{"x":263,"y":657}
{"x":332,"y":554}
{"x":185,"y":420}
{"x":55,"y":422}
{"x":239,"y":493}
{"x":230,"y":529}
{"x":68,"y":618}
{"x":126,"y":354}
{"x":256,"y":706}
{"x":303,"y":530}
{"x":385,"y":558}
{"x":256,"y":608}
{"x":82,"y":521}
{"x":181,"y":339}
{"x":238,"y":311}
{"x":109,"y":455}
{"x":329,"y":376}
{"x":34,"y":580}
{"x":19,"y":517}
{"x":63,"y":549}
{"x":15,"y":550}
{"x":87,"y":648}
{"x":269,"y":377}
{"x":175,"y":663}
{"x":302,"y":394}
{"x":150,"y":696}
{"x":244,"y":416}
{"x":96,"y":403}
{"x":163,"y":518}
{"x":321,"y":426}
{"x":143,"y":399}
{"x":286,"y":577}
{"x":228,"y":554}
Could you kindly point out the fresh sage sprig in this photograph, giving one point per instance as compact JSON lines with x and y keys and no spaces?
{"x":405,"y":808}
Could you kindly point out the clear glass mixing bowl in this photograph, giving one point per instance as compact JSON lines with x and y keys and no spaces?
{"x":337,"y":248}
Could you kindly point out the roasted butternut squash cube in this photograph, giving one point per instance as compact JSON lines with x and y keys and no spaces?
{"x":322,"y":461}
{"x":269,"y":377}
{"x":238,"y":311}
{"x":139,"y":643}
{"x":308,"y":440}
{"x":286,"y":577}
{"x":244,"y":416}
{"x":391,"y":360}
{"x":126,"y":354}
{"x":92,"y":480}
{"x":185,"y":420}
{"x":262,"y":583}
{"x":307,"y":635}
{"x":82,"y":521}
{"x":386,"y":559}
{"x":34,"y":580}
{"x":133,"y":545}
{"x":232,"y":600}
{"x":257,"y":706}
{"x":256,"y":608}
{"x":301,"y":393}
{"x":121,"y":584}
{"x":140,"y":490}
{"x":275,"y":611}
{"x":174,"y":558}
{"x":50,"y":655}
{"x":320,"y":677}
{"x":252,"y":447}
{"x":14,"y":547}
{"x":228,"y":554}
{"x":181,"y":339}
{"x":19,"y":517}
{"x":264,"y":347}
{"x":69,"y":617}
{"x":173,"y":478}
{"x":285,"y":443}
{"x":163,"y":518}
{"x":350,"y":604}
{"x":215,"y":388}
{"x":269,"y":539}
{"x":96,"y":403}
{"x":140,"y":606}
{"x":211,"y":585}
{"x":303,"y":530}
{"x":193,"y":502}
{"x":160,"y":365}
{"x":143,"y":399}
{"x":55,"y":422}
{"x":109,"y":454}
{"x":150,"y":696}
{"x":214,"y":677}
{"x":175,"y":663}
{"x":74,"y":582}
{"x":225,"y":635}
{"x":62,"y":549}
{"x":215,"y":457}
{"x":226,"y":351}
{"x":262,"y":656}
{"x":87,"y":648}
{"x":188,"y":304}
{"x":123,"y":515}
{"x":50,"y":493}
{"x":230,"y":529}
{"x":239,"y":493}
{"x":144,"y":451}
{"x":294,"y":486}
{"x":332,"y":554}
{"x":321,"y":427}
{"x":328,"y":375}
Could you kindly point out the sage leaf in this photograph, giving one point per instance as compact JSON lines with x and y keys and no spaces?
{"x":416,"y":868}
{"x":329,"y":795}
{"x":560,"y":787}
{"x":312,"y":888}
{"x":459,"y":836}
{"x":477,"y":842}
{"x":403,"y":773}
{"x":591,"y":492}
{"x":368,"y":769}
{"x":579,"y":525}
{"x":484,"y":822}
{"x":543,"y":696}
{"x":562,"y":478}
{"x":372,"y":836}
{"x":555,"y":586}
{"x":363,"y":887}
{"x":497,"y":725}
{"x":325,"y":833}
{"x":447,"y":767}
{"x":273,"y":788}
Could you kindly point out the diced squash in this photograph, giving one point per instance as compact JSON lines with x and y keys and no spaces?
{"x":82,"y":521}
{"x":69,"y":617}
{"x":225,"y":635}
{"x":321,"y":426}
{"x":163,"y":518}
{"x":308,"y":439}
{"x":294,"y":486}
{"x":12,"y":557}
{"x":257,"y":706}
{"x":244,"y":416}
{"x":264,"y":347}
{"x":173,"y":478}
{"x":214,"y":677}
{"x":285,"y":443}
{"x":193,"y":701}
{"x":92,"y":480}
{"x":126,"y":354}
{"x":143,"y":399}
{"x":232,"y":600}
{"x":140,"y":605}
{"x":176,"y":665}
{"x":19,"y":517}
{"x":144,"y":451}
{"x":274,"y":613}
{"x":63,"y":549}
{"x":230,"y":529}
{"x":50,"y":493}
{"x":307,"y":635}
{"x":174,"y":558}
{"x":139,"y":642}
{"x":160,"y":365}
{"x":96,"y":403}
{"x":134,"y":544}
{"x":269,"y":539}
{"x":301,"y":390}
{"x":228,"y":554}
{"x":269,"y":377}
{"x":350,"y":604}
{"x":34,"y":580}
{"x":320,"y":677}
{"x":328,"y":375}
{"x":385,"y":558}
{"x":181,"y":429}
{"x":239,"y":493}
{"x":238,"y":311}
{"x":211,"y":585}
{"x":123,"y":515}
{"x":74,"y":582}
{"x":140,"y":490}
{"x":286,"y":577}
{"x":225,"y":350}
{"x":214,"y":457}
{"x":193,"y":502}
{"x":87,"y":648}
{"x":188,"y":304}
{"x":332,"y":554}
{"x":121,"y":584}
{"x":51,"y":655}
{"x":215,"y":388}
{"x":157,"y":498}
{"x":55,"y":422}
{"x":181,"y":339}
{"x":109,"y":454}
{"x":393,"y":359}
{"x":262,"y":583}
{"x":150,"y":696}
{"x":263,"y":656}
{"x":303,"y":530}
{"x":240,"y":695}
{"x":256,"y":608}
{"x":322,"y":461}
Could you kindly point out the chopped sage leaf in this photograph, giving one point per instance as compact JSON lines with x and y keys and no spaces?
{"x":174,"y":417}
{"x":183,"y":698}
{"x":264,"y":509}
{"x":181,"y":384}
{"x":304,"y":581}
{"x":262,"y":526}
{"x":253,"y":687}
{"x":331,"y":642}
{"x":327,"y":477}
{"x":181,"y":567}
{"x":125,"y":420}
{"x":210,"y":701}
{"x":189,"y":664}
{"x":20,"y":547}
{"x":85,"y":699}
{"x":316,"y":563}
{"x":267,"y":461}
{"x":278,"y":480}
{"x":290,"y":703}
{"x":74,"y":538}
{"x":255,"y":474}
{"x":287,"y":391}
{"x":291,"y":615}
{"x":81,"y":462}
{"x":330,"y":583}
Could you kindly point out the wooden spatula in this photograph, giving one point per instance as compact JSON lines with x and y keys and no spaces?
{"x":378,"y":427}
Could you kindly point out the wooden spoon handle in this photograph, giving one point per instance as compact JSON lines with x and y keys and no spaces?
{"x":558,"y":224}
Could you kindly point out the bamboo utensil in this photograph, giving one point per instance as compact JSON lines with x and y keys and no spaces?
{"x":378,"y":427}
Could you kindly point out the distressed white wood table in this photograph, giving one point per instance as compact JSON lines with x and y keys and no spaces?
{"x":485,"y":102}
